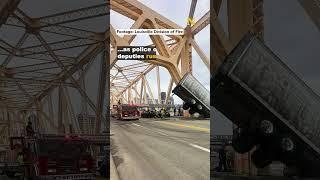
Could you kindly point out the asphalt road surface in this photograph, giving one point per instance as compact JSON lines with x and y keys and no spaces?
{"x":3,"y":177}
{"x":158,"y":149}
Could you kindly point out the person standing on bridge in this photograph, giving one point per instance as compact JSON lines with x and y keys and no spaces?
{"x":160,"y":114}
{"x":179,"y":112}
{"x":29,"y":129}
{"x":20,"y":158}
{"x":222,"y":159}
{"x":163,"y":113}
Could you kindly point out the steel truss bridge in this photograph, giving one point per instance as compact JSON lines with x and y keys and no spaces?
{"x":128,"y":82}
{"x":48,"y":54}
{"x":47,"y":50}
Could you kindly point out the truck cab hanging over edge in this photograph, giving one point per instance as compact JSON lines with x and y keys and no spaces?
{"x":273,"y":109}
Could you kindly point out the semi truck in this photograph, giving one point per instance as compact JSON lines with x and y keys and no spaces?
{"x":273,"y":110}
{"x":195,"y":96}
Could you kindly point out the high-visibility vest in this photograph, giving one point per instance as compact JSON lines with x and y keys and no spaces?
{"x":20,"y":159}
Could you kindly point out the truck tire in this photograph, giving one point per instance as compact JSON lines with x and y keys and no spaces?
{"x":260,"y":158}
{"x":242,"y":141}
{"x":266,"y":127}
{"x":186,"y":106}
{"x":192,"y":111}
{"x":199,"y":107}
{"x":288,"y":144}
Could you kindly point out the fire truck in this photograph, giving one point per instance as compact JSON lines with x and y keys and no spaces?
{"x":128,"y":112}
{"x":52,"y":157}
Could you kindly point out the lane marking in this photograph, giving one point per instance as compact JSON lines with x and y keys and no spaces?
{"x":159,"y":132}
{"x":187,"y":126}
{"x":199,"y":147}
{"x":162,"y":133}
{"x":190,"y":144}
{"x":136,"y":124}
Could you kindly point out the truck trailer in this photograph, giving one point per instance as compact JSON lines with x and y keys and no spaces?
{"x":195,"y":96}
{"x":274,"y":111}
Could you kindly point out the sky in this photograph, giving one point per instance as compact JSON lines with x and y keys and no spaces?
{"x":168,"y":8}
{"x":292,"y":36}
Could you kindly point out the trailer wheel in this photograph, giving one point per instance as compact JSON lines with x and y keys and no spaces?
{"x":288,"y":144}
{"x":260,"y":158}
{"x":266,"y":127}
{"x":185,"y":106}
{"x":242,"y":141}
{"x":192,"y":111}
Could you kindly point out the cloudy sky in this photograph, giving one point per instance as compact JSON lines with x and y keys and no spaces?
{"x":177,"y":11}
{"x":291,"y":35}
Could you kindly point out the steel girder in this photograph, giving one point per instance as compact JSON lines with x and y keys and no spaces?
{"x":53,"y":51}
{"x":173,"y":52}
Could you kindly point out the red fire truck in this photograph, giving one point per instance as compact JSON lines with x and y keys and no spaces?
{"x":51,"y":157}
{"x":128,"y":112}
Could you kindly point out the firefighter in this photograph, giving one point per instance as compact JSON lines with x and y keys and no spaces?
{"x":20,"y":158}
{"x":103,"y":167}
{"x":229,"y":158}
{"x":162,"y":112}
{"x":27,"y":164}
{"x":179,"y":112}
{"x":158,"y":114}
{"x":29,"y":129}
{"x":222,"y":159}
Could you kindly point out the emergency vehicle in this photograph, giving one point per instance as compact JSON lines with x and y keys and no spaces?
{"x":128,"y":112}
{"x":52,"y":157}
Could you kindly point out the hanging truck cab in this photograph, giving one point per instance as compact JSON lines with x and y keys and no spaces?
{"x":273,"y":109}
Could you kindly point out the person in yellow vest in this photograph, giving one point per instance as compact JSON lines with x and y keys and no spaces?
{"x":20,"y":158}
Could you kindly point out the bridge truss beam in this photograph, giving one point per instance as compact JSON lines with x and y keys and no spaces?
{"x":174,"y":53}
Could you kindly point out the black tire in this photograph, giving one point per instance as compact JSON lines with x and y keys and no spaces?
{"x":288,"y":144}
{"x":192,"y":111}
{"x":199,"y":107}
{"x":267,"y":127}
{"x":185,"y":106}
{"x":243,"y":142}
{"x":192,"y":101}
{"x":260,"y":158}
